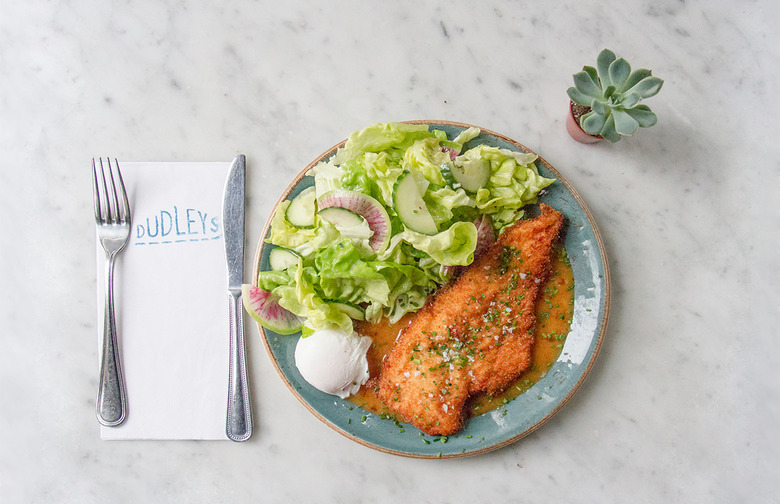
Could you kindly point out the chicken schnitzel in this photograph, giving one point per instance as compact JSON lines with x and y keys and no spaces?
{"x":474,"y":334}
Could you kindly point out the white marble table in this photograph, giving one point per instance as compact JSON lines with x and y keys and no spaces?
{"x":682,"y":404}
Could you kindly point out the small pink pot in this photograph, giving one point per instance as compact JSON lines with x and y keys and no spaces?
{"x":577,"y":132}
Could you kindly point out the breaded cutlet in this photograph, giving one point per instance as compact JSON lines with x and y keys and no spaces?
{"x":474,"y":334}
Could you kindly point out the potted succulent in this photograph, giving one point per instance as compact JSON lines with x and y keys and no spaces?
{"x":605,"y":100}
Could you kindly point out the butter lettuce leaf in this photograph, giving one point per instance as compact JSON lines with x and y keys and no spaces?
{"x":425,"y":158}
{"x":393,"y":138}
{"x":452,"y":247}
{"x":302,"y":241}
{"x":514,"y":182}
{"x":442,"y":203}
{"x":344,"y":276}
{"x":338,"y":266}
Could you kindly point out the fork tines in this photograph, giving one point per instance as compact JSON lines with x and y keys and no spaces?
{"x":109,"y":206}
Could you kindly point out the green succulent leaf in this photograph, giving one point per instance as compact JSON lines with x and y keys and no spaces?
{"x":609,"y":91}
{"x":629,"y":101}
{"x":586,"y":85}
{"x":624,"y":123}
{"x":636,"y":76}
{"x":608,"y":130}
{"x":619,"y":72}
{"x":647,"y":87}
{"x":592,"y":123}
{"x":605,"y":58}
{"x":594,"y":74}
{"x":578,"y":97}
{"x":599,"y":107}
{"x":643,"y":115}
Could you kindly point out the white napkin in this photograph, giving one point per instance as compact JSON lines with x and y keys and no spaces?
{"x":171,"y":303}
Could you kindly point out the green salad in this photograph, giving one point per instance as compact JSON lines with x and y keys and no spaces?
{"x":384,"y":223}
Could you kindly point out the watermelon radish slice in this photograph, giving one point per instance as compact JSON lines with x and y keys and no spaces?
{"x":486,"y":234}
{"x":365,"y":206}
{"x":263,"y":306}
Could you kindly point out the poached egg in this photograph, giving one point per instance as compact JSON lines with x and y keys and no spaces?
{"x":333,"y":361}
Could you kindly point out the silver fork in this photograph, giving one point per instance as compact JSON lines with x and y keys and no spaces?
{"x":112,"y":215}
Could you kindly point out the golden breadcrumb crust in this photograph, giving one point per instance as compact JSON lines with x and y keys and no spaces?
{"x":474,"y":334}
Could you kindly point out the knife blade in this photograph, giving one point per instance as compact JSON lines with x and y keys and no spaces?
{"x":239,"y":413}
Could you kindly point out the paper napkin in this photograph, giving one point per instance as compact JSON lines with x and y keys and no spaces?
{"x":171,"y":303}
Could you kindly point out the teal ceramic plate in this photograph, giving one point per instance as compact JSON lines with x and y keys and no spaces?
{"x":524,"y":414}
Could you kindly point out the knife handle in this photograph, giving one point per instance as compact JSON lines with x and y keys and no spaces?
{"x":239,"y":413}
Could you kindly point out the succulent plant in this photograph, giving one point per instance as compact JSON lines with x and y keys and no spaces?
{"x":613,"y":93}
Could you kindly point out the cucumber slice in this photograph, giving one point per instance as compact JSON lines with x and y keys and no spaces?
{"x":281,"y":258}
{"x":410,"y":207}
{"x":264,"y":307}
{"x":355,"y":312}
{"x":300,"y":212}
{"x":366,"y":207}
{"x":349,"y":224}
{"x":472,"y":174}
{"x":341,"y":217}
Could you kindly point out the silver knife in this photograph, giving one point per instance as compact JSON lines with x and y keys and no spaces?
{"x":239,"y":413}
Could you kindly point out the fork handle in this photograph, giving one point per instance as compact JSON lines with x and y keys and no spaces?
{"x":111,"y":399}
{"x":239,"y":412}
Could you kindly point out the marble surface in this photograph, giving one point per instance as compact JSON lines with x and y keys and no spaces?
{"x":682,"y":404}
